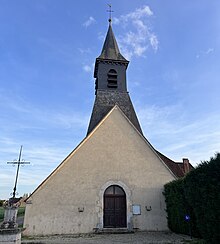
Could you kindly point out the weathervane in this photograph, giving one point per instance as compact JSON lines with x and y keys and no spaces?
{"x":110,"y":13}
{"x":18,"y":162}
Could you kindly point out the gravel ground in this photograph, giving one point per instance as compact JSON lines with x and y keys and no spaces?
{"x":134,"y":238}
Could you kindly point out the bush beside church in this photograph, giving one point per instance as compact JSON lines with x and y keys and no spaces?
{"x":197,"y":195}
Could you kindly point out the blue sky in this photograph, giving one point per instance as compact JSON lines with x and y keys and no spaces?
{"x":47,"y":53}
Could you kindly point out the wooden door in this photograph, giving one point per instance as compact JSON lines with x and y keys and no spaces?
{"x":115,"y":207}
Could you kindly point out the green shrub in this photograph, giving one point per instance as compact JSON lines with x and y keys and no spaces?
{"x":178,"y":208}
{"x":202,"y":191}
{"x":197,"y":194}
{"x":21,"y":211}
{"x":1,"y":214}
{"x":1,"y":203}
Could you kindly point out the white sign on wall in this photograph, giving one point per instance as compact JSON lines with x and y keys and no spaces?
{"x":136,"y":209}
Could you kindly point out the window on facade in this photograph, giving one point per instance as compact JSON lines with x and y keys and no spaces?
{"x":112,"y":78}
{"x":114,"y":190}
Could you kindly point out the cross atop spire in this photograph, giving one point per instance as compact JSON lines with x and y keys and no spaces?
{"x":110,"y":13}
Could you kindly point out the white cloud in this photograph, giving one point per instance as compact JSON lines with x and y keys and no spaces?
{"x":89,"y":22}
{"x":204,"y":53}
{"x":139,"y":13}
{"x":139,"y":50}
{"x":84,"y":50}
{"x":101,"y":36}
{"x":87,"y":68}
{"x":115,"y":20}
{"x":154,"y":42}
{"x":210,"y":50}
{"x":138,"y":36}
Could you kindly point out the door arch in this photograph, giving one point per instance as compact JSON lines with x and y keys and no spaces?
{"x":115,"y":207}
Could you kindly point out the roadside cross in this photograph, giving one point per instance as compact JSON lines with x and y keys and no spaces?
{"x":18,"y":163}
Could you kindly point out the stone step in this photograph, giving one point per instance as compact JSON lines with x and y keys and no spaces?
{"x":114,"y":230}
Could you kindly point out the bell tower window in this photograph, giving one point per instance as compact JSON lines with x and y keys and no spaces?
{"x":112,"y":79}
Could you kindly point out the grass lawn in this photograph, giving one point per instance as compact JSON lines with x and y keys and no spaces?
{"x":21,"y":212}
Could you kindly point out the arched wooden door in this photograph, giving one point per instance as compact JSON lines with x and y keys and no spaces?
{"x":115,"y":207}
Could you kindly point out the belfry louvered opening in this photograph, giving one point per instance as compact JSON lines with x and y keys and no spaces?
{"x":112,"y":79}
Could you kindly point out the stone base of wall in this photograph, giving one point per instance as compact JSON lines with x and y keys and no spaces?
{"x":10,"y":236}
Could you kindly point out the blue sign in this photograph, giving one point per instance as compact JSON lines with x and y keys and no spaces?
{"x":187,"y":217}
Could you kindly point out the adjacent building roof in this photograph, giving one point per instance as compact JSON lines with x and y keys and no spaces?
{"x":176,"y":167}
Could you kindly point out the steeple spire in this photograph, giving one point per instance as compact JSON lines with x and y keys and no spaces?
{"x":110,"y":84}
{"x":110,"y":48}
{"x":110,"y":51}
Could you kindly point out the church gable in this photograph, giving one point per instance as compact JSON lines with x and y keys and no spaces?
{"x":115,"y":142}
{"x":114,"y":153}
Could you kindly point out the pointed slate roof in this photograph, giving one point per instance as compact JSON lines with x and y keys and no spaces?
{"x":110,"y":48}
{"x":105,"y":101}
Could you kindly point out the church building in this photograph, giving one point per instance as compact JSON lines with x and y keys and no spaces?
{"x":113,"y":180}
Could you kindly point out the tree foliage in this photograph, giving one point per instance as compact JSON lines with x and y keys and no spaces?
{"x":198,"y":195}
{"x":1,"y":202}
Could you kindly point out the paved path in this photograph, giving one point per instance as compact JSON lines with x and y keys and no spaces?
{"x":134,"y":238}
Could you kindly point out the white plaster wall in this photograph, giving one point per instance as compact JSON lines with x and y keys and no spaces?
{"x":115,"y":152}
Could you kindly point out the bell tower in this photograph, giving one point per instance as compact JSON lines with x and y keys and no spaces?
{"x":110,"y":83}
{"x":110,"y":66}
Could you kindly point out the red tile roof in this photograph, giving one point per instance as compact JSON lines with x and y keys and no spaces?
{"x":176,"y":167}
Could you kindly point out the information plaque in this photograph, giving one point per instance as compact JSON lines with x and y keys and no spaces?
{"x":136,"y":209}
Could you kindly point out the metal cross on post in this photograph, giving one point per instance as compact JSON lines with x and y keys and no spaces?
{"x":110,"y":13}
{"x":19,"y":162}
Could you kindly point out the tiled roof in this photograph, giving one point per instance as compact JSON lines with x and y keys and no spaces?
{"x":182,"y":167}
{"x":176,"y":167}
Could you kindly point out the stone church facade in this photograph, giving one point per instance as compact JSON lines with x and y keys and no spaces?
{"x":114,"y":178}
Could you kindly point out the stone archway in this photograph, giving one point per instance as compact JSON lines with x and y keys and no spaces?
{"x":127,"y":191}
{"x":115,"y":210}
